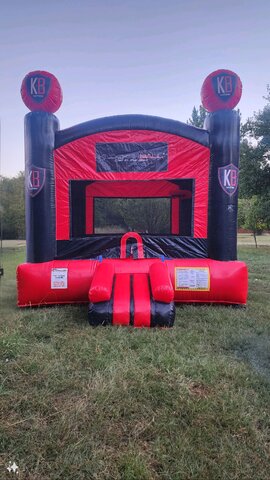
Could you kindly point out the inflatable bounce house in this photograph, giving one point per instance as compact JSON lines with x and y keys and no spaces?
{"x":132,"y":213}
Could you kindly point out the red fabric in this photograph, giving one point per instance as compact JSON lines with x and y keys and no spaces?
{"x":76,"y":161}
{"x":161,"y":286}
{"x":89,"y":217}
{"x":136,"y":189}
{"x":101,"y":286}
{"x":142,"y":304}
{"x":211,"y":100}
{"x":175,"y":216}
{"x":34,"y":282}
{"x":41,"y":98}
{"x":228,"y":280}
{"x":124,"y":240}
{"x":121,"y":299}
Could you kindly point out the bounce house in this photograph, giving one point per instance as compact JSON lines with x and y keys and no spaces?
{"x":132,"y":213}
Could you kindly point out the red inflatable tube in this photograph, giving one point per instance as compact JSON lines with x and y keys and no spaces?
{"x":101,"y":286}
{"x":35,"y":282}
{"x":227,"y":281}
{"x":193,"y":280}
{"x":161,"y":285}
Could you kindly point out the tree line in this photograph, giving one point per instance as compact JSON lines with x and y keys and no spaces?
{"x":254,"y":175}
{"x":12,"y":209}
{"x":254,"y":180}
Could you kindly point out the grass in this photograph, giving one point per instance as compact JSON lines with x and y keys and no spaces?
{"x":125,"y":404}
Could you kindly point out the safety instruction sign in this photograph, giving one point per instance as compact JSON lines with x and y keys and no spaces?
{"x":192,"y":278}
{"x":59,"y":278}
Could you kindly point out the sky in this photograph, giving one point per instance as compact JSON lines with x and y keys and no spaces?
{"x":127,"y":56}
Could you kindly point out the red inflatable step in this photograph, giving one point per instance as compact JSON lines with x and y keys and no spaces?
{"x":142,"y":304}
{"x":121,"y":299}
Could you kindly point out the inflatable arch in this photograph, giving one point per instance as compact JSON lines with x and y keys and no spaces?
{"x":132,"y":213}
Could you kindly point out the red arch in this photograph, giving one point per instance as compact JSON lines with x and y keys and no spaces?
{"x":125,"y":238}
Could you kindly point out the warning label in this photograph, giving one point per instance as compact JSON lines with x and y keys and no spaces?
{"x":187,"y":278}
{"x":59,"y":278}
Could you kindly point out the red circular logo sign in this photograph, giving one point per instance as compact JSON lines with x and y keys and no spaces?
{"x":41,"y":91}
{"x":221,"y":90}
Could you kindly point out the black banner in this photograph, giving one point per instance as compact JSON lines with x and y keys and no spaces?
{"x":132,"y":157}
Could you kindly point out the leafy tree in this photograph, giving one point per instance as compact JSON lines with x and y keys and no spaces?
{"x":254,"y":214}
{"x":255,"y":153}
{"x":12,"y":206}
{"x":254,"y":180}
{"x":259,"y":125}
{"x":197,"y":117}
{"x":150,"y":215}
{"x":254,"y":176}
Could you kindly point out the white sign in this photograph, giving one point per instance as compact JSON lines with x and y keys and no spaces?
{"x":197,"y":278}
{"x":59,"y":278}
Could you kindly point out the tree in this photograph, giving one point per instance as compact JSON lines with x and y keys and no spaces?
{"x":12,"y":206}
{"x":254,"y":179}
{"x":197,"y":117}
{"x":255,"y":153}
{"x":254,"y":214}
{"x":150,"y":215}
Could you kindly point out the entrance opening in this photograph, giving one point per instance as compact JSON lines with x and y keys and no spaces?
{"x":144,"y":215}
{"x":162,"y":207}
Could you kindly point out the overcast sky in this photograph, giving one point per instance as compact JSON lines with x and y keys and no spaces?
{"x":124,"y":56}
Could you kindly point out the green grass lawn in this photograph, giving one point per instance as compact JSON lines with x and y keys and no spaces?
{"x":113,"y":403}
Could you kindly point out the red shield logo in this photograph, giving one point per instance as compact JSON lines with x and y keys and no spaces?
{"x":228,"y":178}
{"x":35,"y":180}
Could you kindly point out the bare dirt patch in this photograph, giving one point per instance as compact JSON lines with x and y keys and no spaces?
{"x":13,"y":243}
{"x":248,"y":239}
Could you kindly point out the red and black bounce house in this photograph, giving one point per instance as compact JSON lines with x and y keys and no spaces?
{"x":132,"y":213}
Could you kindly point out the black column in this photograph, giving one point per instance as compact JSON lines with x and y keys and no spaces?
{"x":40,"y":128}
{"x":224,"y":129}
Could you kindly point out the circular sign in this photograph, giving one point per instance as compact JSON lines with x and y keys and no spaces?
{"x":41,"y":91}
{"x":221,"y":90}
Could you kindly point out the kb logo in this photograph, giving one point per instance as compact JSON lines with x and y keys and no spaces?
{"x":38,"y":87}
{"x":35,"y":180}
{"x":224,"y":86}
{"x":228,"y":178}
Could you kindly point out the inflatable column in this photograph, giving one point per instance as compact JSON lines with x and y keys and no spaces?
{"x":221,"y":92}
{"x":41,"y":93}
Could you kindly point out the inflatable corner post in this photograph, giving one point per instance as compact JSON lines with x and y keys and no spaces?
{"x":132,"y":214}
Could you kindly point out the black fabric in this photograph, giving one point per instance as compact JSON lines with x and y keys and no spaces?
{"x":77,"y":202}
{"x":186,"y":217}
{"x":40,"y":128}
{"x":132,"y":122}
{"x":224,"y":128}
{"x":132,"y":157}
{"x":100,"y":313}
{"x":162,"y":314}
{"x":108,"y":246}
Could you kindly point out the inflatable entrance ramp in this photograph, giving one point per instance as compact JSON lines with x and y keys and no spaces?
{"x":92,"y":186}
{"x":140,"y":295}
